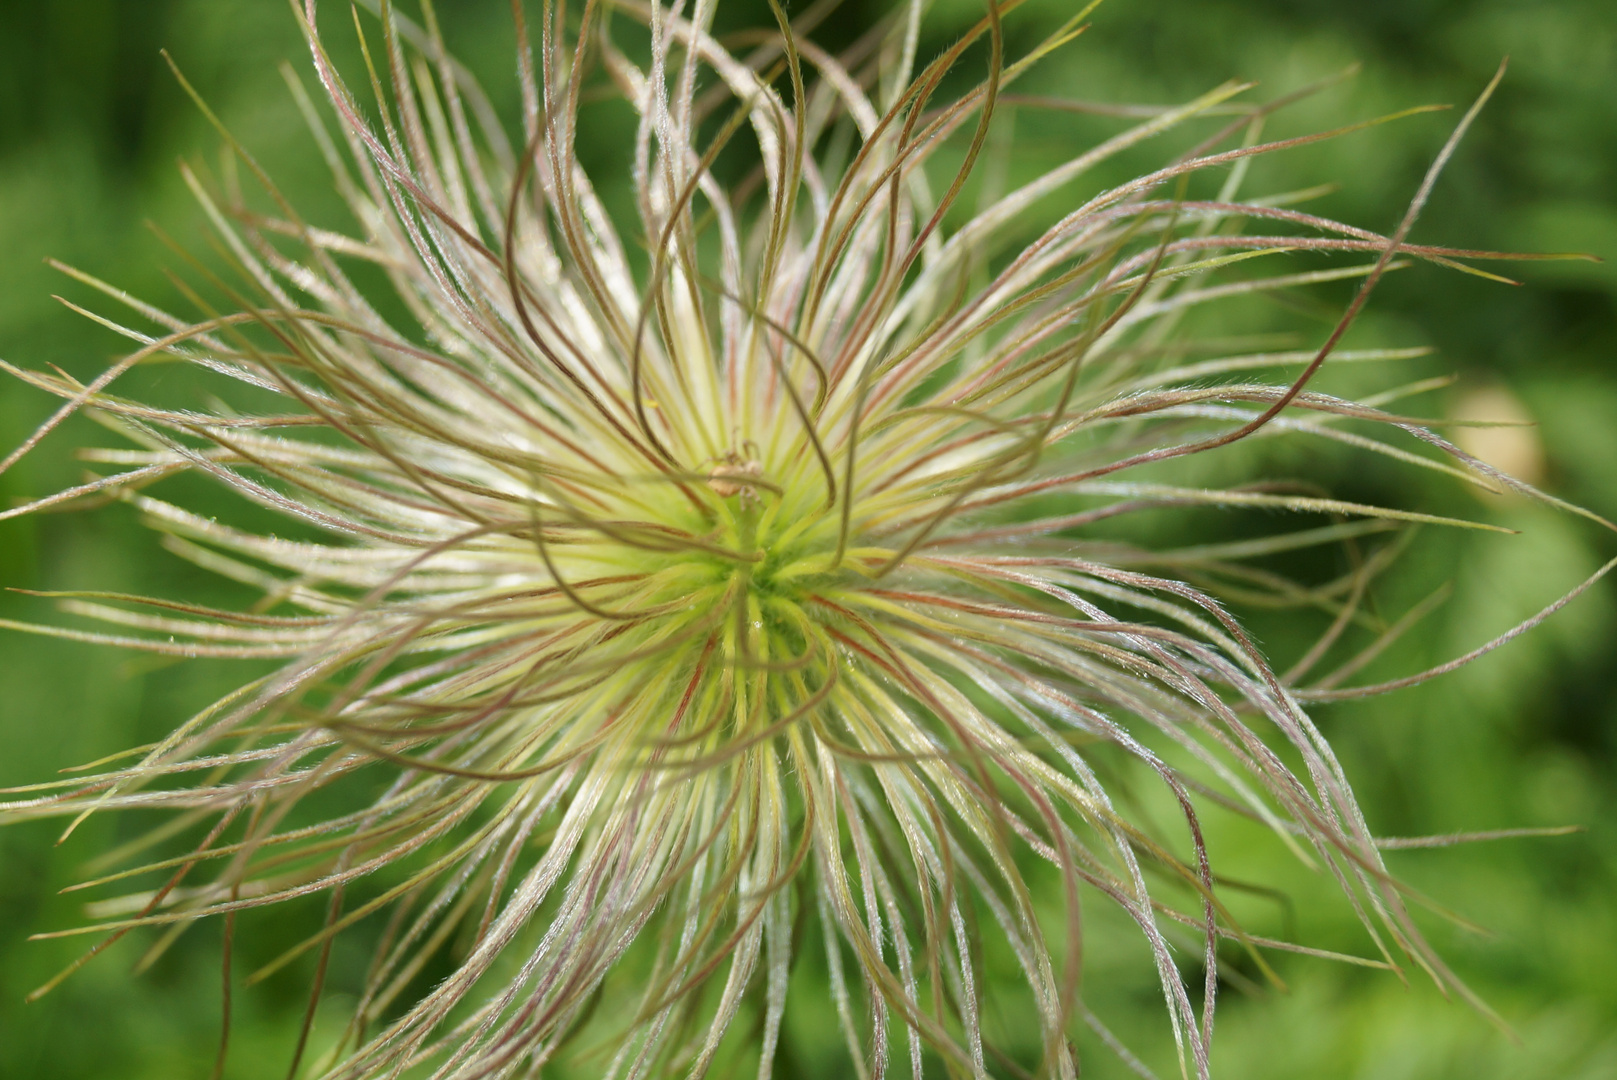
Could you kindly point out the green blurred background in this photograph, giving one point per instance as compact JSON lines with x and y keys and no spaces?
{"x":91,"y":125}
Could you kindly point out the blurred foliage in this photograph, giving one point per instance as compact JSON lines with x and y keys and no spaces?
{"x":91,"y":123}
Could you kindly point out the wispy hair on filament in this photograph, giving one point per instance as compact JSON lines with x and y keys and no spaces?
{"x":672,"y":591}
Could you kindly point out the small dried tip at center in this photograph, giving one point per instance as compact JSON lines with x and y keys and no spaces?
{"x":734,"y":475}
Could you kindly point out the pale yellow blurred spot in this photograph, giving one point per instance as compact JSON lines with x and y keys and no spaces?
{"x":1516,"y":449}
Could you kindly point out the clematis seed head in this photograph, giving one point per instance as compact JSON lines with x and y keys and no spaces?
{"x":671,"y":591}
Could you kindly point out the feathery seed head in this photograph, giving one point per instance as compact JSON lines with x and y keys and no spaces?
{"x":696,"y":577}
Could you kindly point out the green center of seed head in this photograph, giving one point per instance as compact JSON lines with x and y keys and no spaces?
{"x":753,"y":531}
{"x":774,"y":544}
